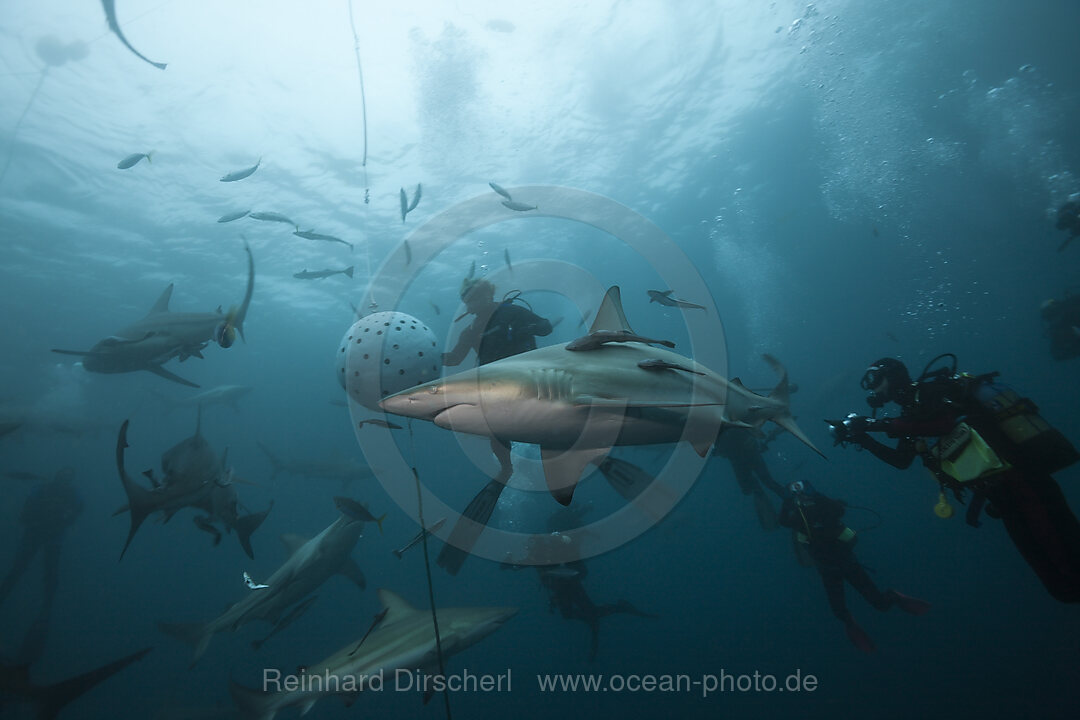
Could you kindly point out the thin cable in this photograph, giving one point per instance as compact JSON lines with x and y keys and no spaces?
{"x":363,"y":162}
{"x":430,"y":585}
{"x":19,"y":122}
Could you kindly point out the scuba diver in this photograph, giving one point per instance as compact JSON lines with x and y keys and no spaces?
{"x":1062,"y":318}
{"x":565,"y":584}
{"x":743,"y":448}
{"x":975,"y":434}
{"x":49,"y":510}
{"x":1068,"y":218}
{"x":819,"y":531}
{"x":499,"y":330}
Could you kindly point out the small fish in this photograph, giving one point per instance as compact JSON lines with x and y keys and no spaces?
{"x":520,"y":207}
{"x":132,"y":160}
{"x":378,"y":619}
{"x":290,"y":617}
{"x":658,"y":364}
{"x":241,"y":174}
{"x":404,"y":204}
{"x":355,"y":511}
{"x":312,"y":235}
{"x":306,"y":274}
{"x":408,"y":252}
{"x":664,"y":298}
{"x":595,"y":339}
{"x":272,"y":217}
{"x":562,"y":573}
{"x":415,"y":199}
{"x":22,"y":475}
{"x":506,"y":256}
{"x":502,"y":192}
{"x":419,"y":536}
{"x":435,"y":308}
{"x":110,"y":18}
{"x":379,"y":423}
{"x":252,"y":584}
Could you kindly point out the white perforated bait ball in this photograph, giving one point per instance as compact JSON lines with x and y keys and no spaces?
{"x":384,"y":353}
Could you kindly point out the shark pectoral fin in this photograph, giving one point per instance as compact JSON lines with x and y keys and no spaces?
{"x":702,"y":447}
{"x":246,"y":525}
{"x":162,"y":372}
{"x":563,"y":468}
{"x":60,"y":694}
{"x":353,"y":572}
{"x":254,"y":703}
{"x":788,"y":423}
{"x":292,"y":542}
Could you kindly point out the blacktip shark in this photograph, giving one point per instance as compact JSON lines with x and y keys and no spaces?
{"x":195,"y":477}
{"x":577,"y":405}
{"x":163,"y":335}
{"x":309,"y":565}
{"x":46,"y":701}
{"x":404,"y":639}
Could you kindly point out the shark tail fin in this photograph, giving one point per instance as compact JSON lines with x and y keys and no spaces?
{"x":195,"y":634}
{"x":273,"y":460}
{"x":253,"y":704}
{"x":56,"y":697}
{"x":247,"y":525}
{"x":140,"y":500}
{"x":782,"y":393}
{"x":349,"y":270}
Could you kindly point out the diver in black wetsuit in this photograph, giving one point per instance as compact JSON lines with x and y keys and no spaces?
{"x":979,"y":436}
{"x":744,"y":448}
{"x":565,"y":584}
{"x":499,"y":329}
{"x":815,"y":520}
{"x":1062,"y":326}
{"x":47,"y":513}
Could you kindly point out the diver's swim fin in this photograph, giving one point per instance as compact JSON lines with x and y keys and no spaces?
{"x":467,"y":530}
{"x":626,"y":478}
{"x":858,"y":637}
{"x":910,"y":605}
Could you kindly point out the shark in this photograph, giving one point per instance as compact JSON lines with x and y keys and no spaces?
{"x":195,"y":477}
{"x":163,"y":335}
{"x":309,"y":565}
{"x":221,"y":395}
{"x":110,"y":17}
{"x":343,"y":469}
{"x":404,"y":639}
{"x":577,"y":405}
{"x":46,"y":701}
{"x":664,"y":298}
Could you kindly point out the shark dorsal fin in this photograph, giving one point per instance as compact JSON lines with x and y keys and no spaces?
{"x":162,"y":304}
{"x":610,"y":316}
{"x":293,"y":542}
{"x":395,"y":605}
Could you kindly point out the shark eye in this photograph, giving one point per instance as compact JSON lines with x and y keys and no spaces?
{"x":434,"y":389}
{"x":225,"y":335}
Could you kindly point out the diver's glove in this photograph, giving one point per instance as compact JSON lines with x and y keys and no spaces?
{"x":853,"y":428}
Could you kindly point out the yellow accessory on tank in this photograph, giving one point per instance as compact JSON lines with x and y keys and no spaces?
{"x":965,"y":456}
{"x":943,"y":509}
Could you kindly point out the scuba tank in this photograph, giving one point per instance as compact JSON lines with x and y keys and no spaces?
{"x":1005,"y":429}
